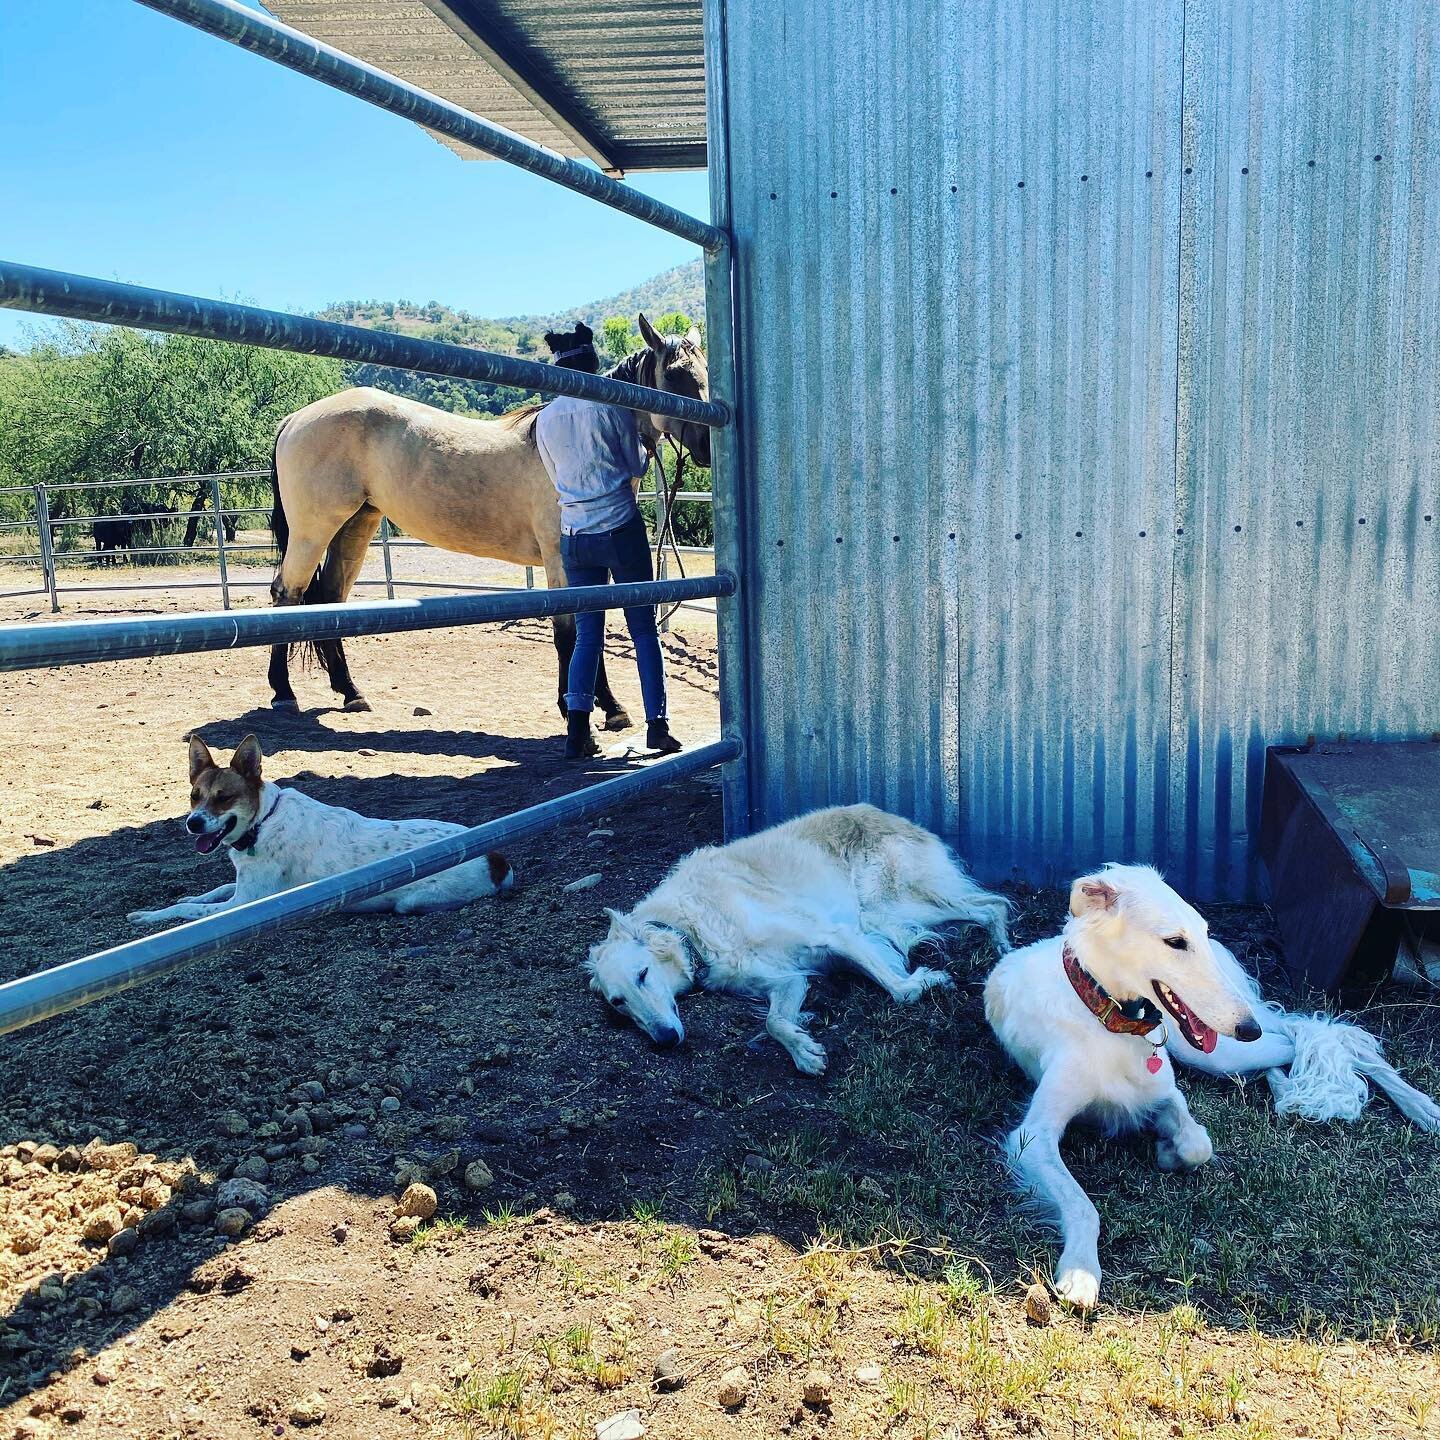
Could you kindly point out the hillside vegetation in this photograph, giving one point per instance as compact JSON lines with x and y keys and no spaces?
{"x":672,"y":295}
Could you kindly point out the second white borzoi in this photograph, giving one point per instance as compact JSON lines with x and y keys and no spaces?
{"x":1079,"y":1014}
{"x":759,"y":917}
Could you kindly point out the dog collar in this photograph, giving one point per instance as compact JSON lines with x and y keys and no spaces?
{"x":251,"y":838}
{"x":698,"y":967}
{"x":1134,"y":1017}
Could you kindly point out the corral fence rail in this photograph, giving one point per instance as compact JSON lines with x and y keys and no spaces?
{"x":23,"y":646}
{"x":51,"y":554}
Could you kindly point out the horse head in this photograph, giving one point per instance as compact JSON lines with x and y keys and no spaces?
{"x":676,"y":364}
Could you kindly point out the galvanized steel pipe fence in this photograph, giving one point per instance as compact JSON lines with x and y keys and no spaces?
{"x":49,"y":292}
{"x":48,"y":557}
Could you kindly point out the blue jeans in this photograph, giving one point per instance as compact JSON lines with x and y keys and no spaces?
{"x":624,"y":556}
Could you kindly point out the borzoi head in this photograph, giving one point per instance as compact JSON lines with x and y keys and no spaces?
{"x":638,"y":970}
{"x":1138,"y":938}
{"x":679,"y":367}
{"x":574,"y":349}
{"x":224,"y":799}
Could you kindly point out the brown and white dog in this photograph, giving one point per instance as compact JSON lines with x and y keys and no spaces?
{"x":278,"y":839}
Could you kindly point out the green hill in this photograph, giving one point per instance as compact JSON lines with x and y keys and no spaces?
{"x":679,"y":290}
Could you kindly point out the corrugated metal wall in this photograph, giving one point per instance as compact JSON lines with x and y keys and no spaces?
{"x":1020,"y":345}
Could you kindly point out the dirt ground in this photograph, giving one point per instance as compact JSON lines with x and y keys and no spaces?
{"x":615,"y":1228}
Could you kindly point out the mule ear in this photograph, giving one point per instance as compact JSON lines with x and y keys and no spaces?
{"x":201,"y":759}
{"x":1091,"y":894}
{"x":246,"y":759}
{"x":694,"y":337}
{"x":584,"y":331}
{"x":651,"y":336}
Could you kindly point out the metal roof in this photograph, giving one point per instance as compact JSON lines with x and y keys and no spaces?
{"x":603,"y":80}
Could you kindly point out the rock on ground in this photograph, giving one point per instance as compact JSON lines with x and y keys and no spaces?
{"x":418,"y":1200}
{"x":627,"y":1425}
{"x":734,"y":1388}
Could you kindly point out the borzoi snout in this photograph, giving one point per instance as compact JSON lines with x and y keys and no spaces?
{"x":639,"y":976}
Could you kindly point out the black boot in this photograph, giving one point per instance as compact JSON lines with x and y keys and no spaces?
{"x":579,"y":742}
{"x":659,"y":738}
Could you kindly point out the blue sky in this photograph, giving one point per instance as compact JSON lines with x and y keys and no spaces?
{"x":138,"y":149}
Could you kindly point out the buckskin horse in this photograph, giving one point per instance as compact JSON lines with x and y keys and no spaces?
{"x":475,"y":486}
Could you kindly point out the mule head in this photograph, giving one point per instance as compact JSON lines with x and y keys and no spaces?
{"x":1138,"y":938}
{"x":224,"y":799}
{"x":679,"y":368}
{"x":574,"y":349}
{"x":638,"y":970}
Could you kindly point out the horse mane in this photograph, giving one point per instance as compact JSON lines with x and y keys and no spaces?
{"x":637,"y":368}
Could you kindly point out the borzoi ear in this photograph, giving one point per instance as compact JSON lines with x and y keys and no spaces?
{"x":201,"y":759}
{"x":1091,"y":894}
{"x":246,"y":759}
{"x":621,"y":923}
{"x":652,"y":337}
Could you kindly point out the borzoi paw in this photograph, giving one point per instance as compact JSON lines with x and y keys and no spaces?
{"x":144,"y":917}
{"x":808,"y":1055}
{"x":1184,"y":1152}
{"x":1079,"y":1285}
{"x":919,"y":982}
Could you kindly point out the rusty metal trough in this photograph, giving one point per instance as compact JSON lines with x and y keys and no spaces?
{"x":1350,"y":842}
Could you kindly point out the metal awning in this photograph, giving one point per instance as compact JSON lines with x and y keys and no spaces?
{"x":612,"y":81}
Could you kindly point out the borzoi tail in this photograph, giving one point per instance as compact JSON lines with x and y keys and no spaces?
{"x":935,"y":891}
{"x":1318,"y":1067}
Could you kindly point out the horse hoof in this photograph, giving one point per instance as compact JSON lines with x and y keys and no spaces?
{"x":618,"y":721}
{"x":289,"y":706}
{"x":357,"y":705}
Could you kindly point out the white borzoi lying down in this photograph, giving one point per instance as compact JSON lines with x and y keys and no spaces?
{"x":280,"y":838}
{"x":759,"y":917}
{"x":1078,"y":1014}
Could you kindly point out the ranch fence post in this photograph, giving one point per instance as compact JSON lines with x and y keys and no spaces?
{"x":529,"y":577}
{"x":47,"y":553}
{"x":385,"y":555}
{"x":220,"y":541}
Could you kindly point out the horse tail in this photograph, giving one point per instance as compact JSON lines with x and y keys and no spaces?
{"x":307,"y":651}
{"x":279,"y":525}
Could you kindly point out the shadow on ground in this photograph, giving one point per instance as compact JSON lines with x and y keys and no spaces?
{"x":361,"y":1046}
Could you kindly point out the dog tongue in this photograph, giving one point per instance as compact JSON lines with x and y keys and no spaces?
{"x":1208,"y":1039}
{"x":206,"y":843}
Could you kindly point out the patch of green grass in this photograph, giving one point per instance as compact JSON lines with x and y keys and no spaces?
{"x":442,"y":1228}
{"x":500,"y":1405}
{"x":501,"y":1218}
{"x":677,"y":1250}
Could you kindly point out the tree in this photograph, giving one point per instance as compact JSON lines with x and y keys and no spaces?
{"x":617,"y":339}
{"x":87,"y":403}
{"x":673,"y":322}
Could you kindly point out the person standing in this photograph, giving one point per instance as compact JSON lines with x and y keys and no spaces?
{"x":594,"y":455}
